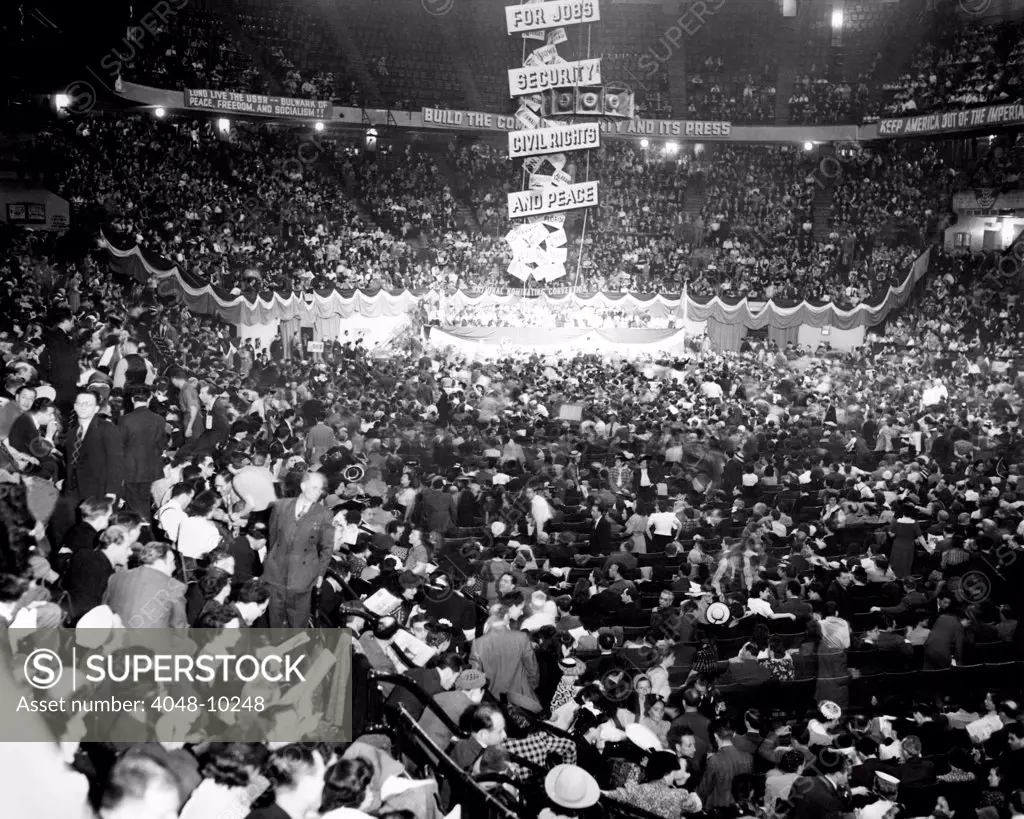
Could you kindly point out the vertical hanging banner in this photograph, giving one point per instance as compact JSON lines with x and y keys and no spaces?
{"x":551,"y":14}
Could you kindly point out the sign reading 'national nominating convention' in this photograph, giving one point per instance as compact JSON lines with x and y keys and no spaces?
{"x":537,"y":141}
{"x":550,"y":15}
{"x":259,"y":104}
{"x":536,"y":78}
{"x":551,"y":200}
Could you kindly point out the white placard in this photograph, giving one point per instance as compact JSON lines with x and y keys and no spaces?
{"x":555,"y":139}
{"x":518,"y":271}
{"x":551,"y":14}
{"x":558,"y":254}
{"x":561,"y":178}
{"x":533,"y":35}
{"x":314,"y":346}
{"x":547,"y":53}
{"x":526,"y":117}
{"x":556,"y":238}
{"x":534,"y":102}
{"x":540,"y":180}
{"x":555,"y":220}
{"x":532,"y":163}
{"x":557,"y":161}
{"x":552,"y":200}
{"x":532,"y":59}
{"x":556,"y":36}
{"x":533,"y":79}
{"x":536,"y":233}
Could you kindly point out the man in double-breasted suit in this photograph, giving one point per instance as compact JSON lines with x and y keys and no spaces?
{"x":300,"y":543}
{"x":144,"y":438}
{"x":94,"y":463}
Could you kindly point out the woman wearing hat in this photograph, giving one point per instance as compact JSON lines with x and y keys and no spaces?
{"x":570,"y":789}
{"x":658,"y":794}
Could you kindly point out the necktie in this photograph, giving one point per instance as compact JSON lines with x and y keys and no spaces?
{"x":300,"y":510}
{"x":76,"y":448}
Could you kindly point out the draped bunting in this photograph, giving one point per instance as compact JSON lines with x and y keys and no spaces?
{"x":202,"y":297}
{"x":477,"y":341}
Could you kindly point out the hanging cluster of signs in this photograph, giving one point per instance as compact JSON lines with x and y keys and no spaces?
{"x":548,"y":86}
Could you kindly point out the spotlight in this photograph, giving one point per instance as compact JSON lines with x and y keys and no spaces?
{"x":319,"y":126}
{"x":671,"y":147}
{"x":837,"y":19}
{"x":808,"y":146}
{"x":223,"y":125}
{"x":159,"y":113}
{"x":644,"y":143}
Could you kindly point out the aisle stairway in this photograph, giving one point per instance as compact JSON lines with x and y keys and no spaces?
{"x":821,"y":206}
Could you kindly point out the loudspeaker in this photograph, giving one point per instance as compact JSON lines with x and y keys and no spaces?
{"x":559,"y":102}
{"x":588,"y":100}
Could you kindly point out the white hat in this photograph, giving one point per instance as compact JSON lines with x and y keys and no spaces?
{"x":643,"y":738}
{"x":571,"y":787}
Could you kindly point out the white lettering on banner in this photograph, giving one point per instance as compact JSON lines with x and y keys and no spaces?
{"x":470,"y":120}
{"x":557,"y":36}
{"x":554,"y":139}
{"x":551,"y":200}
{"x":540,"y":78}
{"x":209,"y":100}
{"x":551,"y":14}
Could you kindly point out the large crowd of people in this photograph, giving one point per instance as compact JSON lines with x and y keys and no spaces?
{"x":832,"y":506}
{"x":771,"y":582}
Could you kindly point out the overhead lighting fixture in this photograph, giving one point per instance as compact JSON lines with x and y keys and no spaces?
{"x":837,"y":19}
{"x":644,"y":143}
{"x":671,"y":147}
{"x":160,"y":113}
{"x":319,"y":126}
{"x":808,"y":146}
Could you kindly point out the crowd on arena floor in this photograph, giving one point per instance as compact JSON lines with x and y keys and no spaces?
{"x":836,"y":506}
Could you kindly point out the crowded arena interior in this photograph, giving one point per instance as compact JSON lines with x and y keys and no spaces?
{"x":619,"y":398}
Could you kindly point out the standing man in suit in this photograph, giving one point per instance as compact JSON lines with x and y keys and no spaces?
{"x":826,"y":795}
{"x":93,"y":453}
{"x":144,"y":437}
{"x":439,"y":510}
{"x":506,"y":657}
{"x":601,"y":536}
{"x":94,"y":463}
{"x":148,"y":596}
{"x":728,"y":762}
{"x":59,"y":362}
{"x":299,"y":547}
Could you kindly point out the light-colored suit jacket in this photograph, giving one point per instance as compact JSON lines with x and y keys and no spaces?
{"x":146,"y":598}
{"x":508,"y":660}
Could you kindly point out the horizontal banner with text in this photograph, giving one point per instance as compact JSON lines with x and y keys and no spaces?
{"x":552,"y":200}
{"x":481,"y":121}
{"x":534,"y":78}
{"x":947,"y":121}
{"x":550,"y":14}
{"x":259,"y":104}
{"x":554,"y":140}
